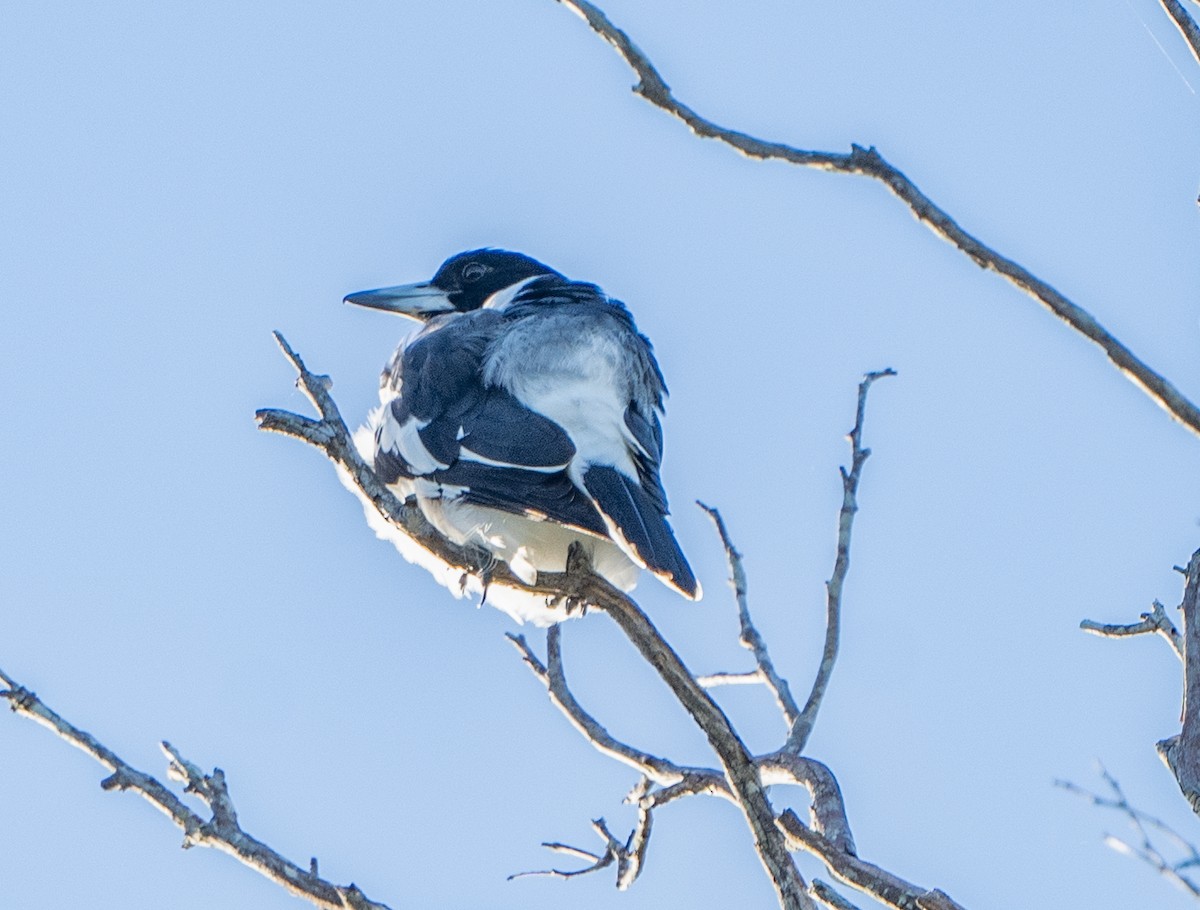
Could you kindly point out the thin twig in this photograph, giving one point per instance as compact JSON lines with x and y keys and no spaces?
{"x":868,"y":162}
{"x":802,"y":727}
{"x":749,"y":678}
{"x":602,"y":861}
{"x":1142,"y":823}
{"x":629,"y":856}
{"x":553,"y":677}
{"x":222,"y":831}
{"x":750,"y":638}
{"x":1138,"y":817}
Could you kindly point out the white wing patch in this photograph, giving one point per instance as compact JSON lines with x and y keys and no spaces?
{"x":404,"y":440}
{"x":467,"y":455}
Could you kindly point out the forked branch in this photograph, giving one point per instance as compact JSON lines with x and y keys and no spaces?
{"x":803,"y":725}
{"x":221,"y":831}
{"x":750,"y":638}
{"x":1149,"y":833}
{"x":1154,"y":622}
{"x":827,"y":835}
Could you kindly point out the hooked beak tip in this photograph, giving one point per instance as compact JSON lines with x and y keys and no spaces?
{"x":417,"y":301}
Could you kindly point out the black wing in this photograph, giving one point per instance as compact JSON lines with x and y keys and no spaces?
{"x":637,"y":507}
{"x":448,"y":428}
{"x":635,"y":515}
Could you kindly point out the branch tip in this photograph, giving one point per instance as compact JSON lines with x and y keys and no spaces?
{"x":802,"y":725}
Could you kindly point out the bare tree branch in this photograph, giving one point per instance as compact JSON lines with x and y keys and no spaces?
{"x":750,"y":638}
{"x":749,"y":678}
{"x":628,"y":856}
{"x":830,"y":898}
{"x":803,"y":725}
{"x":601,"y":861}
{"x":552,"y":676}
{"x":739,"y":769}
{"x":1156,"y":622}
{"x":830,"y":823}
{"x":222,"y":831}
{"x":801,"y":722}
{"x":1186,"y":25}
{"x":1143,"y":824}
{"x":868,"y":162}
{"x":827,"y":809}
{"x":870,"y":879}
{"x":677,"y":781}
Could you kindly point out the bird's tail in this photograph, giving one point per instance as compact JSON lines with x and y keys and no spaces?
{"x":638,"y":526}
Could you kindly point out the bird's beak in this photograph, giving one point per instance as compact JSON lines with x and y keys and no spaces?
{"x":417,"y":301}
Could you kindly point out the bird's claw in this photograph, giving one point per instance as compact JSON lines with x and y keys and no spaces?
{"x":578,"y":570}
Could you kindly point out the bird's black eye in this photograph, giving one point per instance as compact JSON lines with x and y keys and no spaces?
{"x":473,"y":271}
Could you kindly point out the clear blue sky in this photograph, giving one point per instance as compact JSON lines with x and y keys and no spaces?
{"x":180,"y":179}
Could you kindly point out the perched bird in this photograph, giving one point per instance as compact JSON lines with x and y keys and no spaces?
{"x":523,"y":415}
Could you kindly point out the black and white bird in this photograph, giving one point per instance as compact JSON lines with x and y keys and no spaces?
{"x":523,"y":415}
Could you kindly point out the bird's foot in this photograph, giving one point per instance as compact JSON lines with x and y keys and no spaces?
{"x":576,"y":575}
{"x":485,"y":562}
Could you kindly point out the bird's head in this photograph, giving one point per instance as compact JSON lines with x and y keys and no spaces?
{"x":463,"y":283}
